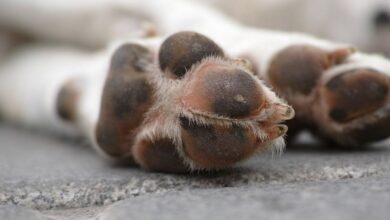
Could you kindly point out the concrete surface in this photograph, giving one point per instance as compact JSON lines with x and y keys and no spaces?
{"x":67,"y":180}
{"x":341,"y":199}
{"x":19,"y":213}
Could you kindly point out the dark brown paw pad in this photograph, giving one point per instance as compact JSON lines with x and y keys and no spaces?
{"x":298,"y":68}
{"x":215,"y":146}
{"x":356,"y":93}
{"x":160,"y":155}
{"x":182,"y":50}
{"x":371,"y":132}
{"x":127,"y":96}
{"x":224,"y":91}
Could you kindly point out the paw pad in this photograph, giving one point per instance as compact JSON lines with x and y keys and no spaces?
{"x":160,"y":155}
{"x":182,"y":50}
{"x":353,"y":94}
{"x":217,"y":146}
{"x":127,"y":96}
{"x":224,"y":91}
{"x":297,"y":69}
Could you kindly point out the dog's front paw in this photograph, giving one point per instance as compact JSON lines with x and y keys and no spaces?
{"x":191,"y":107}
{"x":211,"y":107}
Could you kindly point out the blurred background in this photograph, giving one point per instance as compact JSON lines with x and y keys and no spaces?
{"x":362,"y":23}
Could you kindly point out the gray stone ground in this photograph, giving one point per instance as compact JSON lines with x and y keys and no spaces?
{"x":42,"y":177}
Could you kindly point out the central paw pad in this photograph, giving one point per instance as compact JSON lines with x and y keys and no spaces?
{"x":225,"y":91}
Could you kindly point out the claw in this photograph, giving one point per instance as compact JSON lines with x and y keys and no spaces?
{"x":277,"y":131}
{"x":282,"y":112}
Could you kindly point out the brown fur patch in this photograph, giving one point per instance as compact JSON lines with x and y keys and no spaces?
{"x":66,"y":102}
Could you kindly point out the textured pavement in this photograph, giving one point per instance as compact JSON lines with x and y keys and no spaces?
{"x":360,"y":199}
{"x":44,"y":177}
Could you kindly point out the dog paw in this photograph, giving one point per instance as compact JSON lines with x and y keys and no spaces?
{"x":354,"y":106}
{"x":192,"y":108}
{"x":333,"y":93}
{"x":213,"y":107}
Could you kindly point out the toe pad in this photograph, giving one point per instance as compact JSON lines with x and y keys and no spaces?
{"x":355,"y":93}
